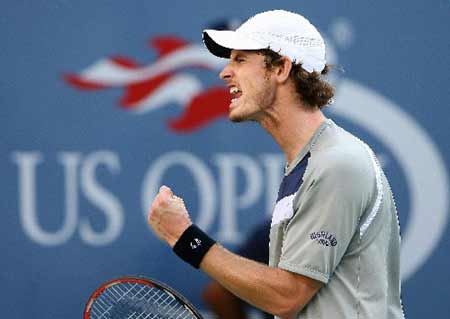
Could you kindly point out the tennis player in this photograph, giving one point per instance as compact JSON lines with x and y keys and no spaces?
{"x":334,"y":238}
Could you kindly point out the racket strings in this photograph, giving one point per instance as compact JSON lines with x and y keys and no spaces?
{"x":137,"y":301}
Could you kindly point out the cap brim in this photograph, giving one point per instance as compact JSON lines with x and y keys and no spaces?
{"x":221,"y":42}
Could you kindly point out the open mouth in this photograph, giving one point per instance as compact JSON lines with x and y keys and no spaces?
{"x":235,"y":95}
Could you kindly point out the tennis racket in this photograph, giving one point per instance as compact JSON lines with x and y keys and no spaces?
{"x":138,"y":298}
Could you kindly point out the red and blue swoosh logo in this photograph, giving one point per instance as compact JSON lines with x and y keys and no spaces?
{"x":163,"y":82}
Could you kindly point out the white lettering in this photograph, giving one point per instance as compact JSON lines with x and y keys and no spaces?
{"x":202,"y":177}
{"x":27,"y":162}
{"x":231,"y":202}
{"x":103,"y":199}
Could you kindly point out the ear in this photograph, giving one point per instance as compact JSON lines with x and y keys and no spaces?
{"x":282,"y":71}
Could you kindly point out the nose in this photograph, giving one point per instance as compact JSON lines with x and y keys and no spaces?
{"x":226,"y":73}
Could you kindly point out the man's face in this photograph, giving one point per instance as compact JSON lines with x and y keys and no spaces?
{"x":251,"y":88}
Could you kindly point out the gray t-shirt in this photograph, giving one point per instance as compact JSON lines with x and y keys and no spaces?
{"x":335,"y":221}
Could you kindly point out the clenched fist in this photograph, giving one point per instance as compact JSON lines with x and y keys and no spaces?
{"x":168,"y":217}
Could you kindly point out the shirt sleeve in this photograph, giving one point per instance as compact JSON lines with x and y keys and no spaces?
{"x":327,"y":211}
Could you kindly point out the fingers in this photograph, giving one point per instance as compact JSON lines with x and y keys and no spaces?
{"x":168,"y":216}
{"x":164,"y":198}
{"x":166,"y":191}
{"x":177,"y":199}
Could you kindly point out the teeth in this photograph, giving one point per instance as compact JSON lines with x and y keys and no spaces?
{"x":234,"y":90}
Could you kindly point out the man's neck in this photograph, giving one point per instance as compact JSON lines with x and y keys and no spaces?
{"x":292,"y":127}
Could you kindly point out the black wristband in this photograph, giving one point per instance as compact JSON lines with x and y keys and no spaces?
{"x":193,"y":245}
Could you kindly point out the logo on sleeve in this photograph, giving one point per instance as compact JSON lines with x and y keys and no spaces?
{"x":324,"y":238}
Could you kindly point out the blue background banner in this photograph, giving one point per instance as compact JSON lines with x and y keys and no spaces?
{"x":101,"y":102}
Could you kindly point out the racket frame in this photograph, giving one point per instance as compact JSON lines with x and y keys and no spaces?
{"x":144,"y":281}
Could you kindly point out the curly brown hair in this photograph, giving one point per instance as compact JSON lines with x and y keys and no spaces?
{"x":314,"y":91}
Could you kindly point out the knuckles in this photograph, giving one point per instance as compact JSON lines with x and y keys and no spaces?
{"x":166,"y":208}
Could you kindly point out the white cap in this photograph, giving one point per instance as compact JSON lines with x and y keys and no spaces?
{"x":286,"y":33}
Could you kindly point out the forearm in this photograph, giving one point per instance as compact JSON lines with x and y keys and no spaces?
{"x":267,"y":288}
{"x":223,"y":303}
{"x":273,"y":290}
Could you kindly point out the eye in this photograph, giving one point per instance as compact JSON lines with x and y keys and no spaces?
{"x":239,"y":59}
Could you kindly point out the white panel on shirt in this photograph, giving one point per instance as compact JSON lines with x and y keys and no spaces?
{"x":284,"y":209}
{"x":379,"y":198}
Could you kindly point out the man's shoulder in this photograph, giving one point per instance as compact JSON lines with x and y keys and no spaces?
{"x":340,"y":154}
